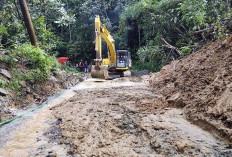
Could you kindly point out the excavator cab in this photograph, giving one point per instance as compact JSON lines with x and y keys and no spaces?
{"x":123,"y":60}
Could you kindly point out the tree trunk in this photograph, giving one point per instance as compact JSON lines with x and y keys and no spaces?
{"x":139,"y":36}
{"x":17,"y":10}
{"x":28,"y":22}
{"x":45,"y":13}
{"x":227,"y":4}
{"x":70,"y":32}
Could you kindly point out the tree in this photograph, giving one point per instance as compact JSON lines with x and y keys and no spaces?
{"x":28,"y":22}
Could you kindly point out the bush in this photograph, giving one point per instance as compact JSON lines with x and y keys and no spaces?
{"x":27,"y":63}
{"x":151,"y":58}
{"x":39,"y":63}
{"x":139,"y":65}
{"x":69,"y":69}
{"x":185,"y":49}
{"x":3,"y":83}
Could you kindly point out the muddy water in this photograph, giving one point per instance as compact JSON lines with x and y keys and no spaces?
{"x":24,"y":137}
{"x":105,"y":118}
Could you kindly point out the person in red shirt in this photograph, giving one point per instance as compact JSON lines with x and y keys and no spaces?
{"x":81,"y":66}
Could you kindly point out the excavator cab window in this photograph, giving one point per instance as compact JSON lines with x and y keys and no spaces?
{"x":123,"y":59}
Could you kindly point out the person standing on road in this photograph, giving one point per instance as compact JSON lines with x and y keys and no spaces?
{"x":77,"y":67}
{"x":89,"y":67}
{"x":81,"y":66}
{"x":86,"y":67}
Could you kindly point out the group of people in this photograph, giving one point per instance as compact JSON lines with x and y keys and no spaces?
{"x":83,"y":66}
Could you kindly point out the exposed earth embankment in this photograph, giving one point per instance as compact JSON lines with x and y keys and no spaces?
{"x":202,"y":85}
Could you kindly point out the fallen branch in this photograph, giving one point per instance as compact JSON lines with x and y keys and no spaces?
{"x":207,"y":30}
{"x":171,"y":47}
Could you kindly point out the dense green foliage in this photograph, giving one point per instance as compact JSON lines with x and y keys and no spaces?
{"x":145,"y":22}
{"x":66,"y":27}
{"x":29,"y":64}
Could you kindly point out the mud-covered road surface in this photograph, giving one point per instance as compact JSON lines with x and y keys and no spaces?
{"x":121,"y":117}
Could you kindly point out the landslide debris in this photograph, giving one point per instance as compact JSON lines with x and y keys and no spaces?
{"x":126,"y":121}
{"x":201,"y":84}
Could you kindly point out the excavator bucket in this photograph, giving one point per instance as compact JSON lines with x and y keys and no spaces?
{"x":102,"y":72}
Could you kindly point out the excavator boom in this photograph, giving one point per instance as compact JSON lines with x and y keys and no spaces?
{"x":102,"y":32}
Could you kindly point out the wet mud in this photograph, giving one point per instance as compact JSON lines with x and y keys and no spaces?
{"x":122,"y":117}
{"x":128,"y":121}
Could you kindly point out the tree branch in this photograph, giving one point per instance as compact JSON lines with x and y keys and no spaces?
{"x":171,"y":47}
{"x":207,"y":30}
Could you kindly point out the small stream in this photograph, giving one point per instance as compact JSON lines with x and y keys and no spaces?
{"x":24,"y":136}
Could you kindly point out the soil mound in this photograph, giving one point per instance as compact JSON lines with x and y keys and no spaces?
{"x":202,"y":85}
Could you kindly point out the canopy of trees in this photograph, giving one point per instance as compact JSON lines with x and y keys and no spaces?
{"x":155,"y":31}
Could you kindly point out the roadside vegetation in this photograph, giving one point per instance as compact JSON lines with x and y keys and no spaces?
{"x":27,"y":63}
{"x":154,"y":31}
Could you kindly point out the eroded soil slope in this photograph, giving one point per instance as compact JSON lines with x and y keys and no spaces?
{"x":36,"y":93}
{"x":202,"y":85}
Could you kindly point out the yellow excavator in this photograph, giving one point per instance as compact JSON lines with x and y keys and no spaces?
{"x":117,"y":64}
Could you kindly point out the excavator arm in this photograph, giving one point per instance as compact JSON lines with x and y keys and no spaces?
{"x":102,"y":32}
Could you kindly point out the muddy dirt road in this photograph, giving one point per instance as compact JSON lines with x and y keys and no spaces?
{"x":108,"y":118}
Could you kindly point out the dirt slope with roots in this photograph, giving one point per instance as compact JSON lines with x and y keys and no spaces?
{"x":202,"y":85}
